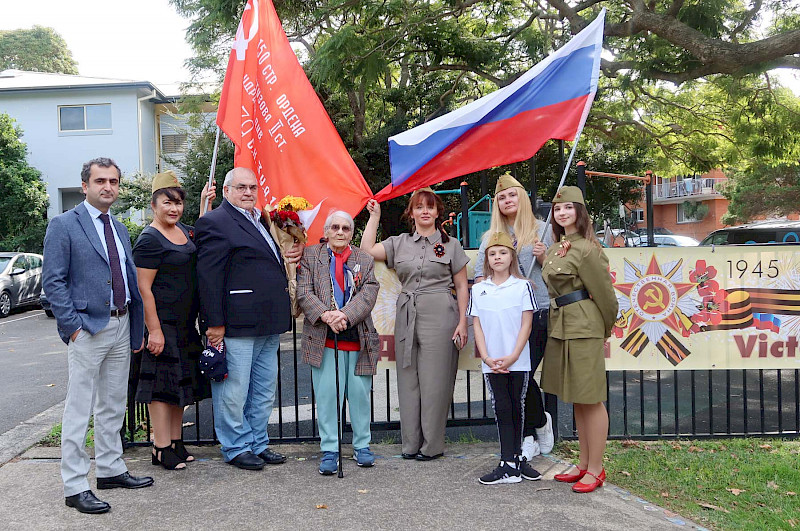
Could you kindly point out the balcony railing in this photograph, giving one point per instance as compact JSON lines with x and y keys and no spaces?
{"x":688,"y":188}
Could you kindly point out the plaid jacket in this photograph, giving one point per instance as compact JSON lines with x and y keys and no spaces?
{"x":314,"y":297}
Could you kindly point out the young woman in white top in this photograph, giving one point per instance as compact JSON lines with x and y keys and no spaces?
{"x":502,"y":308}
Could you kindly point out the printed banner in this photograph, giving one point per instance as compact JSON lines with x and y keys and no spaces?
{"x":280,"y":128}
{"x":680,"y":309}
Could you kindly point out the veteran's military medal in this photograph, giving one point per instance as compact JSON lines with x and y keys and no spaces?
{"x":563,"y":247}
{"x":438,"y":250}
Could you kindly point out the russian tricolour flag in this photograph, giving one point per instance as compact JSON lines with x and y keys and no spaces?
{"x":551,"y":100}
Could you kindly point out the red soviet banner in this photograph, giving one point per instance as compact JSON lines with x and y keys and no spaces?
{"x":280,"y":128}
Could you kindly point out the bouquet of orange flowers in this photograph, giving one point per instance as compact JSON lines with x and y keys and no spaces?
{"x":287,"y":229}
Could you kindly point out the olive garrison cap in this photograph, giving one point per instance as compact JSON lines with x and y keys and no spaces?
{"x":569,"y":194}
{"x":504,"y":182}
{"x":500,"y":238}
{"x":166,"y":179}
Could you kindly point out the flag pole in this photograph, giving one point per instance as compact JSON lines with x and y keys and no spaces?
{"x":205,"y":206}
{"x":561,"y":183}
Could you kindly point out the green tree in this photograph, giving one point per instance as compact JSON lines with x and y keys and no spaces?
{"x":763,"y":190}
{"x":23,"y":196}
{"x":685,"y":83}
{"x":38,"y":49}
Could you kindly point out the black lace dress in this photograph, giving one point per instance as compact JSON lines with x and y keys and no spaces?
{"x":172,"y":377}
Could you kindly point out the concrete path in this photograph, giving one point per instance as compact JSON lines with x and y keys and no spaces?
{"x":395,"y":494}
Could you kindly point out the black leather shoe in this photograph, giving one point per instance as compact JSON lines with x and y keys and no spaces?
{"x":423,"y":457}
{"x":247,"y":461}
{"x":87,"y":502}
{"x":124,"y":481}
{"x":272,"y":458}
{"x":409,"y":456}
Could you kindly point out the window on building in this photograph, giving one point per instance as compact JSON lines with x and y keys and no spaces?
{"x":84,"y":117}
{"x":691,"y":212}
{"x":174,"y":143}
{"x":638,"y":215}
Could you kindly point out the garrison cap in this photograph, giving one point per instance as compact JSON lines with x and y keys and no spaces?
{"x":504,"y":182}
{"x":166,"y":179}
{"x":569,"y":194}
{"x":500,"y":238}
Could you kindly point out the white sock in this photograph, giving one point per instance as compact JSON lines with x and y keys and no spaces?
{"x":512,"y":464}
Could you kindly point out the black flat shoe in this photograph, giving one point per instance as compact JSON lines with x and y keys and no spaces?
{"x":124,"y":481}
{"x":247,"y":461}
{"x":272,"y":458}
{"x":423,"y":457}
{"x":87,"y":502}
{"x":409,"y":456}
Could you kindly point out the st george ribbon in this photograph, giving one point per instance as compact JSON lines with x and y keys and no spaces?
{"x":551,"y":100}
{"x":280,"y":129}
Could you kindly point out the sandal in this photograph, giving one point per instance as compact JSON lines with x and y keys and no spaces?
{"x":167,"y":458}
{"x":181,"y":451}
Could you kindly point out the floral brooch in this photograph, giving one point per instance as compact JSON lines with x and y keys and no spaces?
{"x":438,"y":250}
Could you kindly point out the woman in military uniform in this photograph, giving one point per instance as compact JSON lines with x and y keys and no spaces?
{"x":430,"y":325}
{"x":583,"y":310}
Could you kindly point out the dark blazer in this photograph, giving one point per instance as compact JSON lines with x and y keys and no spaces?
{"x":76,"y":277}
{"x":242,"y":284}
{"x":314,"y":297}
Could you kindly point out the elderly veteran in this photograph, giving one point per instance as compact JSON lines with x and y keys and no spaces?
{"x":337,"y":289}
{"x":431,"y":325}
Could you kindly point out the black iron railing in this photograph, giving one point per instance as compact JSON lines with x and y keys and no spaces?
{"x":641,"y":404}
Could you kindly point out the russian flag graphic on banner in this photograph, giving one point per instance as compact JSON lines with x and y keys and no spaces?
{"x":551,"y":100}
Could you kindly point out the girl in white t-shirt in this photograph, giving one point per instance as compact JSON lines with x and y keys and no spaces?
{"x":502,"y":308}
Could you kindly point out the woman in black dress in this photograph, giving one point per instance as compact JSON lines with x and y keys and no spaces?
{"x":169,"y":378}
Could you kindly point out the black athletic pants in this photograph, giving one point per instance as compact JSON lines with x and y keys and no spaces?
{"x":534,"y":406}
{"x":508,"y":396}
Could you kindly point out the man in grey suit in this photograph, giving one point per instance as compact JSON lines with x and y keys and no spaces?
{"x":89,"y":279}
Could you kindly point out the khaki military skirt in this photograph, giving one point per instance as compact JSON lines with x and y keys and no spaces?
{"x":575,"y":370}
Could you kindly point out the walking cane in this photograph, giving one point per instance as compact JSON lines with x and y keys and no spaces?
{"x":339,"y":430}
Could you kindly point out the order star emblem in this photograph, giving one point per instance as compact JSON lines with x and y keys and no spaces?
{"x":653,"y":301}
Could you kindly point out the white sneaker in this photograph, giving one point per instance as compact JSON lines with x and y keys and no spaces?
{"x":530,"y":448}
{"x":545,"y":436}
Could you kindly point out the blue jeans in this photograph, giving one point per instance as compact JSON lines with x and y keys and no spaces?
{"x":243,"y":401}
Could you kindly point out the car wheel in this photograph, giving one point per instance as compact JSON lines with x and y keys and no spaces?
{"x":5,"y":304}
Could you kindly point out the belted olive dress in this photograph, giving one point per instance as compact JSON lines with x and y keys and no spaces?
{"x":574,"y":362}
{"x":427,"y":316}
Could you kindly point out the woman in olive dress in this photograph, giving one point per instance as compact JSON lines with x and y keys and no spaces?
{"x":583,"y":310}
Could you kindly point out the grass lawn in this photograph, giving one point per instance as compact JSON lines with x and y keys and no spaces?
{"x":723,"y":483}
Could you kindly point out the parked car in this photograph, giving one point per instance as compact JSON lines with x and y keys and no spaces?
{"x":642,"y":231}
{"x":20,"y":280}
{"x":621,"y":238}
{"x":757,"y":233}
{"x":672,"y":240}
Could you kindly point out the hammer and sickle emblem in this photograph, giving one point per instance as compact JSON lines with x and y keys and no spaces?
{"x":656,"y":299}
{"x":240,"y":45}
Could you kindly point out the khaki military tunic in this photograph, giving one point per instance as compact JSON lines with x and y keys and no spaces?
{"x":427,"y":316}
{"x":574,"y":362}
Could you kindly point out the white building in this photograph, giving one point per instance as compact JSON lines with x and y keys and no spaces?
{"x":68,"y":120}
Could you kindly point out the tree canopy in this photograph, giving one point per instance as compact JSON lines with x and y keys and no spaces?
{"x":23,"y":196}
{"x":38,"y":49}
{"x":685,"y":83}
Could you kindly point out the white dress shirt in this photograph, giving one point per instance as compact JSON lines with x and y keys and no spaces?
{"x":101,"y":233}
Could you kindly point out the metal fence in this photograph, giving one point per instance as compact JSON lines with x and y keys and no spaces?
{"x":641,"y":404}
